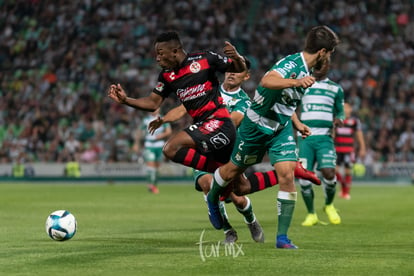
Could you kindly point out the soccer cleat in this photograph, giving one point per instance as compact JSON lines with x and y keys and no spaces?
{"x":214,"y":214}
{"x":153,"y":189}
{"x":301,"y":172}
{"x":256,"y":231}
{"x":345,"y":196}
{"x":284,"y":243}
{"x":333,"y":216}
{"x":310,"y":220}
{"x":231,"y":236}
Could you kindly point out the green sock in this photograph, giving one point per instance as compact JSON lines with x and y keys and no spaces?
{"x":216,"y":188}
{"x":330,"y":190}
{"x":247,"y":212}
{"x":285,"y":206}
{"x":152,"y":176}
{"x":226,"y":223}
{"x":308,"y":195}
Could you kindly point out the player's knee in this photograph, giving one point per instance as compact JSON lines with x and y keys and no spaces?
{"x":241,"y":189}
{"x":169,"y":150}
{"x":285,"y":177}
{"x":304,"y":184}
{"x":229,"y":171}
{"x":204,"y":182}
{"x":328,"y":173}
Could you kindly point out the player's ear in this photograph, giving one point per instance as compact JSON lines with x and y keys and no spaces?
{"x":247,"y":76}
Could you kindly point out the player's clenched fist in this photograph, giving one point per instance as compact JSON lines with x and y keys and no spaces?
{"x":305,"y":82}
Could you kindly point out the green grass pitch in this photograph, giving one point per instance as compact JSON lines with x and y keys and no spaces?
{"x":124,"y":230}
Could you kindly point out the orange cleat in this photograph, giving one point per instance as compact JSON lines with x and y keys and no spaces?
{"x":153,"y":189}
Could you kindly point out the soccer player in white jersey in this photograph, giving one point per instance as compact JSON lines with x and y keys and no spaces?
{"x":322,"y":109}
{"x":267,"y":127}
{"x":152,"y":151}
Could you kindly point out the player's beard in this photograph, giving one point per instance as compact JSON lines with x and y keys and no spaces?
{"x":320,"y":63}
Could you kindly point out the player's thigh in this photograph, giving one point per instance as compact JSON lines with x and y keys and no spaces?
{"x":214,"y":138}
{"x":306,"y":153}
{"x":180,"y":140}
{"x":325,"y":153}
{"x":250,"y":147}
{"x":282,"y":147}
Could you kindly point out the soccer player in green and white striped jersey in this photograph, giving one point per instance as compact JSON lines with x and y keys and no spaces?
{"x":322,"y":109}
{"x":152,"y":148}
{"x":268,"y":128}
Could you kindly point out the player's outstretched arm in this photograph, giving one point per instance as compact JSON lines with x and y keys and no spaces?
{"x":361,"y":143}
{"x":173,"y":115}
{"x":273,"y":80}
{"x":149,"y":103}
{"x":301,"y":127}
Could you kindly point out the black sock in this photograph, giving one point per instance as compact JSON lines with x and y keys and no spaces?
{"x":262,"y":180}
{"x":191,"y":158}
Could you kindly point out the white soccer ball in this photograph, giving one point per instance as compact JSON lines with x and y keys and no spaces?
{"x":61,"y":225}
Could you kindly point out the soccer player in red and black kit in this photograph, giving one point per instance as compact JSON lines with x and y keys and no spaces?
{"x":345,"y":149}
{"x":208,"y":142}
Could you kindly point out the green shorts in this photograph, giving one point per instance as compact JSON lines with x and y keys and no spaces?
{"x":318,"y":149}
{"x":252,"y":144}
{"x":153,"y":154}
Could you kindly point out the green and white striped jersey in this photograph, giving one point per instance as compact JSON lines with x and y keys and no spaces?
{"x":236,"y":100}
{"x":321,"y":104}
{"x":150,"y":140}
{"x":272,"y":109}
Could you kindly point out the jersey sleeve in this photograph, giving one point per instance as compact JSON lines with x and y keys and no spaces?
{"x":242,"y":104}
{"x":358,"y":124}
{"x":162,"y":88}
{"x":284,"y":69}
{"x":218,"y":62}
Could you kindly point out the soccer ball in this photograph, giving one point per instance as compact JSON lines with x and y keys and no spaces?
{"x":61,"y":225}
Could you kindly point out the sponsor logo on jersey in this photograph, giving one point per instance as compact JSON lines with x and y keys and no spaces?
{"x":205,"y":146}
{"x":193,"y":92}
{"x":219,"y":140}
{"x":159,"y":87}
{"x":212,"y":125}
{"x":171,"y":75}
{"x":287,"y":152}
{"x":195,"y":67}
{"x":250,"y":159}
{"x":194,"y":57}
{"x":316,"y":107}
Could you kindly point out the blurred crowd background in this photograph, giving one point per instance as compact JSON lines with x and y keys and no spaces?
{"x":58,"y":57}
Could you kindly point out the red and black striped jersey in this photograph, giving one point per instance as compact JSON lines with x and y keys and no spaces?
{"x":196,"y":85}
{"x":345,"y":135}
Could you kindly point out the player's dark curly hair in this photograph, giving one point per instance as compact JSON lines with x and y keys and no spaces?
{"x":320,"y":37}
{"x":248,"y":63}
{"x":168,"y":36}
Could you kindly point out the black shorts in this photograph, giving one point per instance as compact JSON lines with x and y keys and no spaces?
{"x":214,"y":138}
{"x":346,"y":159}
